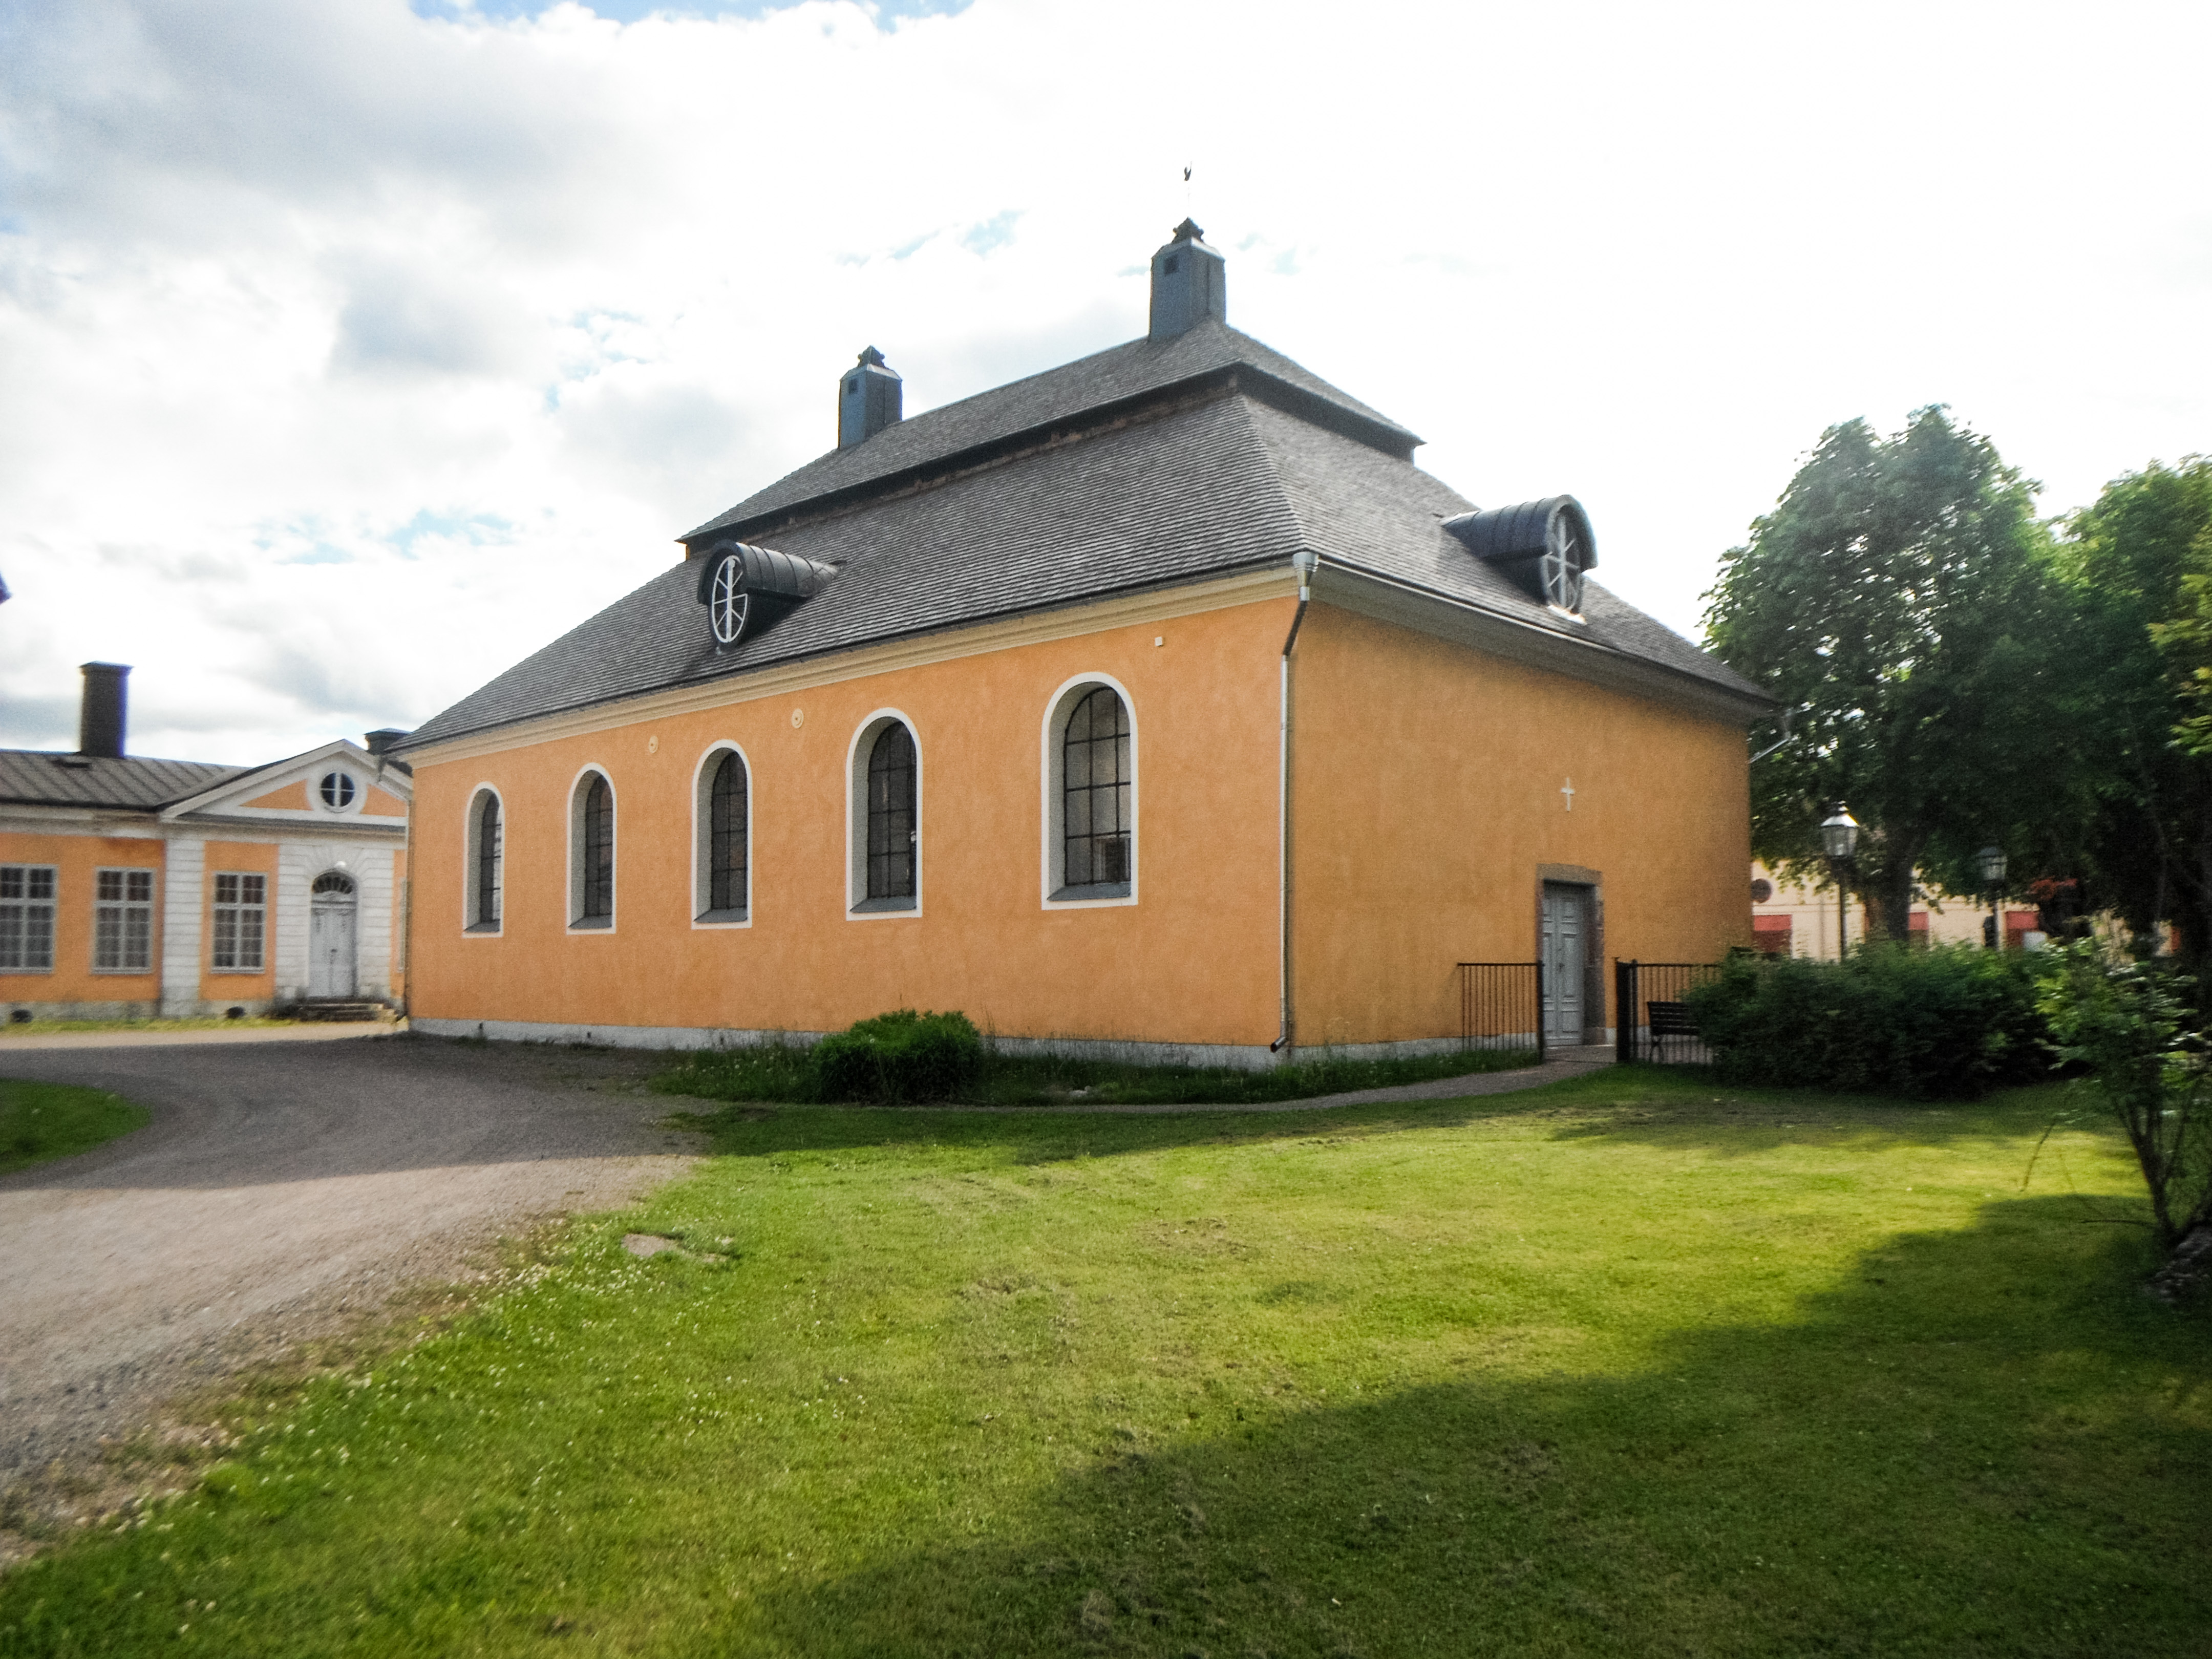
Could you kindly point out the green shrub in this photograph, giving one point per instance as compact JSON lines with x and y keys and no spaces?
{"x":900,"y":1056}
{"x":1949,"y":1023}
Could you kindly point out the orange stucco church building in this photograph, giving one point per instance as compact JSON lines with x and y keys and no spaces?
{"x":1157,"y":700}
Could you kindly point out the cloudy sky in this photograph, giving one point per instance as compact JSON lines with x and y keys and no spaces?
{"x":350,"y":350}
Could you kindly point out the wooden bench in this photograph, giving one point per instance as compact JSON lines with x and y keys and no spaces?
{"x":1670,"y":1022}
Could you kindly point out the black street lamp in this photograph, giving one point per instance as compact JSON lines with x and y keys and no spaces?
{"x":1993,"y":862}
{"x":1839,"y":840}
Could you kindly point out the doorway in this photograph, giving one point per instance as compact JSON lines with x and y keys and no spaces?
{"x":1566,"y":960}
{"x":331,"y":962}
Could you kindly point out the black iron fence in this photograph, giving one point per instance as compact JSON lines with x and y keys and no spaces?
{"x":1651,"y":1021}
{"x":1501,"y":1005}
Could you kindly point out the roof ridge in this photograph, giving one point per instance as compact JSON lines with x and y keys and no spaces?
{"x":915,"y":448}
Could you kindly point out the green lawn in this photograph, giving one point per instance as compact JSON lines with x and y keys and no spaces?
{"x":1628,"y":1366}
{"x":63,"y":1027}
{"x":39,"y":1121}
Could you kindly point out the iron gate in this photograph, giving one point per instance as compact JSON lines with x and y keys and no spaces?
{"x":1501,"y":1005}
{"x":1654,"y":1022}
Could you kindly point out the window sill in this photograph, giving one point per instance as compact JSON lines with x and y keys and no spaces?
{"x":721,"y":918}
{"x":1096,"y":890}
{"x":489,"y":928}
{"x":34,"y":973}
{"x":124,"y":973}
{"x":238,"y":973}
{"x":878,"y":907}
{"x":591,"y":925}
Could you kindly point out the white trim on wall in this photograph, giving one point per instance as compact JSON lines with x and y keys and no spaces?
{"x":1053,"y":799}
{"x":856,"y":816}
{"x":183,"y":884}
{"x":576,"y":793}
{"x":702,"y":781}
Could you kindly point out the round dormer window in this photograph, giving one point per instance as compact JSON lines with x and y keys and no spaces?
{"x":338,"y":790}
{"x":727,"y":601}
{"x":1565,"y":557}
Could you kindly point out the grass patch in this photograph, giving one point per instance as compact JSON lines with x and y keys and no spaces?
{"x":47,"y":1027}
{"x":784,"y":1073}
{"x":41,"y":1121}
{"x":1634,"y":1363}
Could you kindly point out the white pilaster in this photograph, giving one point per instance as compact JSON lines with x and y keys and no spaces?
{"x":184,"y":887}
{"x":298,"y":863}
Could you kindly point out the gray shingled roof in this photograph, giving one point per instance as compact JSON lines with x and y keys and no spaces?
{"x":41,"y":778}
{"x":1200,"y":489}
{"x":1140,"y":369}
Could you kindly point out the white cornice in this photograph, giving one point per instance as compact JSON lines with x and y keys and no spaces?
{"x":1366,"y":592}
{"x":1387,"y":599}
{"x":781,"y":680}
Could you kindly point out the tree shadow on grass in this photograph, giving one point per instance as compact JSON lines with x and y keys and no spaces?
{"x":1980,"y":1443}
{"x":1654,"y":1104}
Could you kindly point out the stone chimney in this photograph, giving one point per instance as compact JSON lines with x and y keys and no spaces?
{"x":1190,"y":285}
{"x":99,"y":719}
{"x":867,"y":400}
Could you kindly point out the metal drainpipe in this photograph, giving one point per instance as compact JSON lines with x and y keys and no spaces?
{"x":1305,"y":563}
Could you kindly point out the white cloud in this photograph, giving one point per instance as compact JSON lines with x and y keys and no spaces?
{"x":353,"y":353}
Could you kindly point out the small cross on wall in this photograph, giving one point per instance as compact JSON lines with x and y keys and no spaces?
{"x":1568,"y":790}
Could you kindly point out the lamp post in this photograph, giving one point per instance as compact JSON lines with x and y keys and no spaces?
{"x":1993,"y":860}
{"x":1839,"y":839}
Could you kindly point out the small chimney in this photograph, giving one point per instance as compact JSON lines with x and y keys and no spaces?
{"x":100,"y":719}
{"x":1190,"y":283}
{"x":380,"y":741}
{"x":867,"y":400}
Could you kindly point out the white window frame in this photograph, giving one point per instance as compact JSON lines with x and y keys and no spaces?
{"x":579,"y":787}
{"x":471,"y":867}
{"x":24,"y":906}
{"x":702,"y":837}
{"x":239,"y":908}
{"x":1052,"y":772}
{"x":359,"y":792}
{"x":125,"y":908}
{"x":857,"y":902}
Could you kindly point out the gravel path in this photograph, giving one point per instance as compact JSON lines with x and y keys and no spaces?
{"x":290,"y":1181}
{"x":281,"y":1188}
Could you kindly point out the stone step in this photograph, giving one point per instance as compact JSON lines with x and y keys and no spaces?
{"x":336,"y":1008}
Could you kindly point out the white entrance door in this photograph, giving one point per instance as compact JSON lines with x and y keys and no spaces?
{"x":1564,"y":907}
{"x":331,"y":960}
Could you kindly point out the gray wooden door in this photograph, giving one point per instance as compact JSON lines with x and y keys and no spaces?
{"x":330,"y":960}
{"x":1564,"y":910}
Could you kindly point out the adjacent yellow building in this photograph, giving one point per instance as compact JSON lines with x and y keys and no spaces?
{"x":132,"y":888}
{"x":1155,"y":703}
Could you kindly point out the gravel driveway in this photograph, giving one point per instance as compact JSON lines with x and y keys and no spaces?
{"x":281,"y":1187}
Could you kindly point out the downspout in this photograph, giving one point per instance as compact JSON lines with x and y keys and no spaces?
{"x":1304,"y":562}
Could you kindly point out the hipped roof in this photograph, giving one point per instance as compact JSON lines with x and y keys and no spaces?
{"x":1145,"y":466}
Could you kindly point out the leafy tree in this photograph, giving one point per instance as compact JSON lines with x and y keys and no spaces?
{"x":2139,"y":563}
{"x":2129,"y":1024}
{"x":1900,"y":603}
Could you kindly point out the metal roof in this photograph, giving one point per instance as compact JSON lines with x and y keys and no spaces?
{"x":40,"y":777}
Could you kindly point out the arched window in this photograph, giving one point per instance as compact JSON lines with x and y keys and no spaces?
{"x":1090,"y":796}
{"x":894,"y":836}
{"x":721,"y":886}
{"x":487,"y":864}
{"x":1096,"y":822}
{"x":592,"y":879}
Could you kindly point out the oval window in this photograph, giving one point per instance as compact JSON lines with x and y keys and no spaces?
{"x":338,"y":790}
